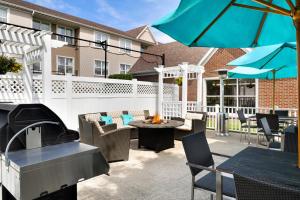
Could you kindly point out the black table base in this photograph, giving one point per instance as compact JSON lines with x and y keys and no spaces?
{"x":157,"y":139}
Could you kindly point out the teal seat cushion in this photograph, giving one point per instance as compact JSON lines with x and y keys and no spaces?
{"x":127,"y":118}
{"x":107,"y":119}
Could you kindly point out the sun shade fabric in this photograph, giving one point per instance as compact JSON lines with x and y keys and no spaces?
{"x":253,"y":73}
{"x":193,"y":18}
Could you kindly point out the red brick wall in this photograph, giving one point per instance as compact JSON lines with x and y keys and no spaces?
{"x":285,"y":93}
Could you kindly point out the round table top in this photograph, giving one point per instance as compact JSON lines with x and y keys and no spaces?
{"x":169,"y":124}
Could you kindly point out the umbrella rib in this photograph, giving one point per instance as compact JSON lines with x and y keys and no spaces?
{"x":258,"y":8}
{"x":262,"y":22}
{"x":214,"y":21}
{"x":291,"y":5}
{"x":275,"y":7}
{"x":271,"y":58}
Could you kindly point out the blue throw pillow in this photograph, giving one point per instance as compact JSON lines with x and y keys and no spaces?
{"x":127,"y":118}
{"x":107,"y":119}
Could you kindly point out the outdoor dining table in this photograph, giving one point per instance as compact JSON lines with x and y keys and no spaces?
{"x":275,"y":167}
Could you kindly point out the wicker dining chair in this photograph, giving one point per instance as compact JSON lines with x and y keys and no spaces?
{"x":200,"y":159}
{"x":250,"y":189}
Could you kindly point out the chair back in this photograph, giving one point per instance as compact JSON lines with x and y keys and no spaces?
{"x":291,"y":139}
{"x":241,"y":116}
{"x":272,"y":119}
{"x":282,"y":113}
{"x":266,"y":128}
{"x":197,"y":151}
{"x":251,"y":189}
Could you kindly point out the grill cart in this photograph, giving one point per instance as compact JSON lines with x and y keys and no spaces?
{"x":40,"y":158}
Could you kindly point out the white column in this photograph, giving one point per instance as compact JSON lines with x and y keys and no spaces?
{"x":46,"y":68}
{"x":28,"y":79}
{"x":200,"y":89}
{"x":160,"y":96}
{"x":69,"y":94}
{"x":184,"y":68}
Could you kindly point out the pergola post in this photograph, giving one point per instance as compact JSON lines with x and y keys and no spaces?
{"x":184,"y":68}
{"x":200,"y":88}
{"x":160,"y":96}
{"x":28,"y":79}
{"x":46,"y":69}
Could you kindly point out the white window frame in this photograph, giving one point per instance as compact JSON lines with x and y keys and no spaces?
{"x":41,"y":21}
{"x":65,"y":38}
{"x":7,"y":13}
{"x":125,"y":51}
{"x":107,"y":68}
{"x":126,"y":72}
{"x":73,"y":67}
{"x":102,"y":33}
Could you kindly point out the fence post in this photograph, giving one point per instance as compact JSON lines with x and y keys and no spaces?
{"x":69,"y":95}
{"x":184,"y":68}
{"x":160,"y":94}
{"x":134,"y":87}
{"x":199,"y":89}
{"x":47,"y":64}
{"x":28,"y":81}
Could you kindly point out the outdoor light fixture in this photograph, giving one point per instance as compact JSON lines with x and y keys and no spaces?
{"x":222,"y":73}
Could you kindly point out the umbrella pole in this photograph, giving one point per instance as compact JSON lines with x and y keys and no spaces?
{"x":296,"y":19}
{"x":273,"y":98}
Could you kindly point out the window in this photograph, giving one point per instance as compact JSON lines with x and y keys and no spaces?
{"x":125,"y":43}
{"x":37,"y":24}
{"x":100,"y":68}
{"x":65,"y":65}
{"x":239,"y":93}
{"x":124,"y":68}
{"x":101,"y":37}
{"x":67,"y":32}
{"x":3,"y":14}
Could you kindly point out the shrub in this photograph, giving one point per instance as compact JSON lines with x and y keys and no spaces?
{"x":9,"y":65}
{"x":121,"y":76}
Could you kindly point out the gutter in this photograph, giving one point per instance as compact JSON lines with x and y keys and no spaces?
{"x":31,"y":11}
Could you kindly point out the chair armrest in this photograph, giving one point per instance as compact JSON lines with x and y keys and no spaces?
{"x":109,"y":127}
{"x":198,"y":125}
{"x":201,"y":167}
{"x":221,"y":155}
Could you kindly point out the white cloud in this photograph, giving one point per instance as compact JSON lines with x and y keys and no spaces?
{"x":105,"y":7}
{"x":60,"y":5}
{"x":161,"y":37}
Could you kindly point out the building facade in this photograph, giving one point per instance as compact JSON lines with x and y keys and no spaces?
{"x":78,"y":57}
{"x":237,"y":92}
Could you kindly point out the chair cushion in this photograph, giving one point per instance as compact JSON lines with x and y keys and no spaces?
{"x":191,"y":116}
{"x":184,"y":127}
{"x":275,"y":145}
{"x":107,"y":119}
{"x":208,"y":182}
{"x":92,"y":117}
{"x":126,"y":119}
{"x":100,"y":129}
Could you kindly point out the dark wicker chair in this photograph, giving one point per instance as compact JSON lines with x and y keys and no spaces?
{"x":250,"y":189}
{"x":114,"y":143}
{"x":270,"y":135}
{"x":200,"y":158}
{"x":244,"y":124}
{"x":291,"y":139}
{"x":197,"y":126}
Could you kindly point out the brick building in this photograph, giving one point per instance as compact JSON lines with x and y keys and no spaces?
{"x":238,"y":92}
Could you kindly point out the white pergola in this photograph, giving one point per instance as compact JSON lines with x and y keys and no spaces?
{"x":187,"y":72}
{"x":31,"y":46}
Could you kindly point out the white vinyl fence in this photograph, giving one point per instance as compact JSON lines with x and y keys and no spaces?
{"x":173,"y":109}
{"x":71,"y":95}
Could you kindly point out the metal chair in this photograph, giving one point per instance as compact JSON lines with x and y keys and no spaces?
{"x":250,"y":189}
{"x":244,"y":124}
{"x":270,"y":135}
{"x":273,"y":122}
{"x":291,"y":139}
{"x":200,"y":158}
{"x":282,"y":113}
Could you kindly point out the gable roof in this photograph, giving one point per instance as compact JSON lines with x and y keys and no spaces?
{"x":175,"y":54}
{"x":56,"y":14}
{"x":136,"y":31}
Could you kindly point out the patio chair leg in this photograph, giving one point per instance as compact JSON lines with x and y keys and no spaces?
{"x":193,"y":192}
{"x":211,"y":196}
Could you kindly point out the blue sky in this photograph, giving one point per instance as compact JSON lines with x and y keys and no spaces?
{"x":122,"y":14}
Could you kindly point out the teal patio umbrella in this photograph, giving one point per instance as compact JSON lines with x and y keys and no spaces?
{"x":265,"y":74}
{"x":235,"y":24}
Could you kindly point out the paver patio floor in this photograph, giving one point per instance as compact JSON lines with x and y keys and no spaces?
{"x":151,"y":176}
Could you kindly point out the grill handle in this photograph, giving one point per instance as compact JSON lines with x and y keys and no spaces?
{"x":7,"y":162}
